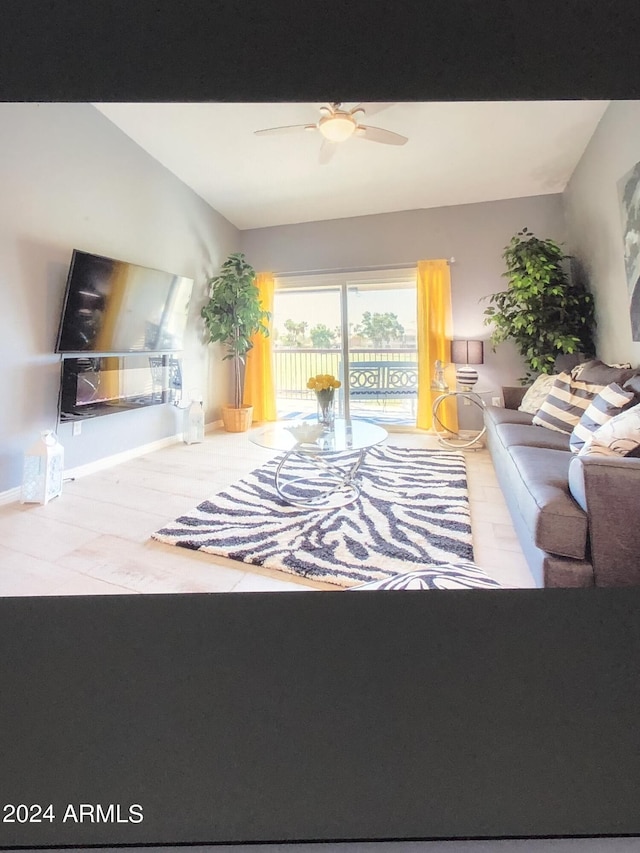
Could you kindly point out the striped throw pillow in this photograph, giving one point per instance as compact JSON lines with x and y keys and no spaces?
{"x":566,"y":403}
{"x":609,"y":403}
{"x":620,"y":436}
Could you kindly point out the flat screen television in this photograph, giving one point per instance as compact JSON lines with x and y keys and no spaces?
{"x":112,"y":306}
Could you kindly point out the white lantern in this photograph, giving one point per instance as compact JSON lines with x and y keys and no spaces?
{"x":43,"y":468}
{"x":193,"y":428}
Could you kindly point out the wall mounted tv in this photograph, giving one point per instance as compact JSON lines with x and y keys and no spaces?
{"x":112,"y":306}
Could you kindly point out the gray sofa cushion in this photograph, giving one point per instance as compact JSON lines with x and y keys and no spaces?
{"x":541,"y":490}
{"x":498,"y":415}
{"x":596,"y":372}
{"x":511,"y":435}
{"x":633,"y":384}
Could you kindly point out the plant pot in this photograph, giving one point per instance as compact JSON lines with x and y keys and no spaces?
{"x":237,"y":420}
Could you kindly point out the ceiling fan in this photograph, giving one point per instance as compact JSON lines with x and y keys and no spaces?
{"x":337,"y":125}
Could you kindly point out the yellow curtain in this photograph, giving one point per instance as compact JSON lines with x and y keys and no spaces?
{"x":434,"y":342}
{"x":259,"y":387}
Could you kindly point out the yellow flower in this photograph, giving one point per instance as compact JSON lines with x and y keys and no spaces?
{"x":323,"y":382}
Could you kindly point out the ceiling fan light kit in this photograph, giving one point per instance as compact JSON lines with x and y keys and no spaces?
{"x":337,"y":128}
{"x":337,"y":125}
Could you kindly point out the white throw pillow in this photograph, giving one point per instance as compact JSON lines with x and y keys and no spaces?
{"x":618,"y":437}
{"x":609,"y":403}
{"x":537,"y":393}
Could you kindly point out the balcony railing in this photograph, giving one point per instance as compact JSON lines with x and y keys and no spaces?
{"x":294,"y":365}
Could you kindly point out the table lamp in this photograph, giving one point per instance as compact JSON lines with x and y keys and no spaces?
{"x":466,"y":353}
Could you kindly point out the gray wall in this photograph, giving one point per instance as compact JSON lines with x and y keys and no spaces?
{"x":71,"y":179}
{"x":474,"y":234}
{"x":594,"y":225}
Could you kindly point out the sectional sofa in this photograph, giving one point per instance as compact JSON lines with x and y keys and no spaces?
{"x":577,"y":517}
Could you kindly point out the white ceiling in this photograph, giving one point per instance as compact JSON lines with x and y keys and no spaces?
{"x":457,"y":153}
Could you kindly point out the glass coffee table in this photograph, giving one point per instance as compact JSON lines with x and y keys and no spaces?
{"x":332,"y":456}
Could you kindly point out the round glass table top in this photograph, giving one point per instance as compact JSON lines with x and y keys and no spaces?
{"x":313,"y":438}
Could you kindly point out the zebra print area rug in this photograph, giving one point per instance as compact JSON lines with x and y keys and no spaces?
{"x":413,"y":511}
{"x":449,"y":576}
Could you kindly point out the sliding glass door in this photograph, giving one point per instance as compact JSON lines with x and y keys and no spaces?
{"x":307,"y":332}
{"x":356,"y":327}
{"x":381,"y":352}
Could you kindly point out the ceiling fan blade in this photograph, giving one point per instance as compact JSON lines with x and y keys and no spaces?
{"x":377,"y":134}
{"x":327,"y":150}
{"x":372,"y":108}
{"x":291,"y":128}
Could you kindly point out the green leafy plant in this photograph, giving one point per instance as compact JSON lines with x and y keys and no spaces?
{"x":543,"y":311}
{"x":381,"y":329}
{"x":233,"y":313}
{"x":322,"y":336}
{"x":295,"y":333}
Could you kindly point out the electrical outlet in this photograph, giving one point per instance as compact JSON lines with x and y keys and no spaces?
{"x":466,"y":401}
{"x":76,"y":429}
{"x":495,"y":401}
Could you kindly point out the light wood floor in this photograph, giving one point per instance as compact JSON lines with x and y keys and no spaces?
{"x":94,"y":538}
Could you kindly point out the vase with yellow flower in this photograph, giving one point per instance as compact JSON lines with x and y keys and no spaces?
{"x":324,"y":385}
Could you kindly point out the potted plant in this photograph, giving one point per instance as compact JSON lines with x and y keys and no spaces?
{"x":231,"y":316}
{"x":542,"y":310}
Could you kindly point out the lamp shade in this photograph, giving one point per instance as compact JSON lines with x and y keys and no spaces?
{"x":467,"y":352}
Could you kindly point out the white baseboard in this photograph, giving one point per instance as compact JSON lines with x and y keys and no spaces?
{"x":118,"y":458}
{"x":13,"y":495}
{"x":10,"y":496}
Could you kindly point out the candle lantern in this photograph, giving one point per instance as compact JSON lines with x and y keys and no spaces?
{"x":43,"y":468}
